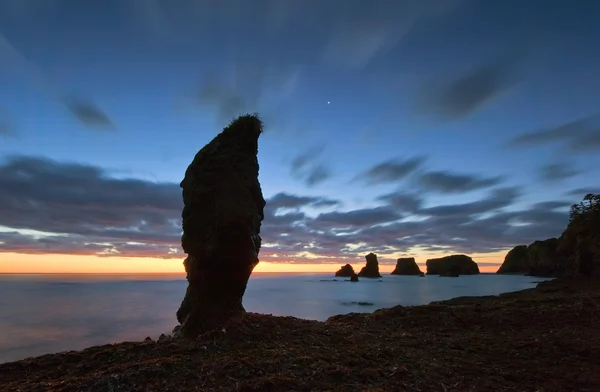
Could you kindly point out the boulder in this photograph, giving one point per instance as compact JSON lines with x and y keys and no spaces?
{"x":453,"y":265}
{"x":346,"y":271}
{"x":222,"y":215}
{"x":406,"y":266}
{"x":516,"y":261}
{"x":354,"y":277}
{"x":371,"y":269}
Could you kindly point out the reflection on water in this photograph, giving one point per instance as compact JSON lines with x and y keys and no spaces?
{"x":50,"y":313}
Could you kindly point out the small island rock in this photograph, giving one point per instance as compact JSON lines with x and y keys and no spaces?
{"x":371,"y":269}
{"x":346,"y":271}
{"x":354,"y":277}
{"x":453,"y":266}
{"x":406,"y":266}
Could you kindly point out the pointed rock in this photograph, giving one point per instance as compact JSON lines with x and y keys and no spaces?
{"x":222,"y":215}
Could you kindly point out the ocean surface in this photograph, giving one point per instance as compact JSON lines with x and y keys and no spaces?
{"x":42,"y":314}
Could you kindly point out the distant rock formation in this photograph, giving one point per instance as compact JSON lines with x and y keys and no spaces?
{"x":453,"y":265}
{"x":346,"y":271}
{"x":371,"y":270}
{"x":353,"y":277}
{"x":222,"y":215}
{"x":406,"y":266}
{"x":516,"y":261}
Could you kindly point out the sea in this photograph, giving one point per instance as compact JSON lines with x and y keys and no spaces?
{"x":49,"y":313}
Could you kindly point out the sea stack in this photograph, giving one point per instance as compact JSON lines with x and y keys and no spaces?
{"x":222,"y":215}
{"x":345,"y":271}
{"x":371,"y":270}
{"x":406,"y":266}
{"x":452,"y":266}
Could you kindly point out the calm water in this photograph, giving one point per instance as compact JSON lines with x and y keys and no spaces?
{"x":41,"y":314}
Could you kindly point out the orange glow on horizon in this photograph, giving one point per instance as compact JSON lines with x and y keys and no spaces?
{"x":53,"y":263}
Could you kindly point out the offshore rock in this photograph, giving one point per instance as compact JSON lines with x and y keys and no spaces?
{"x":345,"y":271}
{"x":354,"y":277}
{"x":222,"y":215}
{"x":452,"y":266}
{"x":371,"y":270}
{"x":406,"y":266}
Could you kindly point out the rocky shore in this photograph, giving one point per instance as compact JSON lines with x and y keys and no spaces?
{"x":542,"y":339}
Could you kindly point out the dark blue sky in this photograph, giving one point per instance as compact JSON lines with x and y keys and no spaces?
{"x":422,"y":126}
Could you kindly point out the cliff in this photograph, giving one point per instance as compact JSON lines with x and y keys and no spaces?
{"x":575,"y":253}
{"x":453,"y":265}
{"x":406,"y":266}
{"x":543,"y":258}
{"x":516,"y":261}
{"x":579,"y":245}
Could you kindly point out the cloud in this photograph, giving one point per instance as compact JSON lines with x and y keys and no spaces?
{"x":558,"y":171}
{"x":249,"y":87}
{"x":84,"y":205}
{"x":579,"y":193}
{"x":498,"y":199}
{"x":287,"y":200}
{"x":306,"y":168}
{"x":84,"y":111}
{"x":391,"y":170}
{"x":468,"y":93}
{"x":68,"y":208}
{"x":7,"y":129}
{"x":89,"y":114}
{"x":402,"y":201}
{"x":359,"y":35}
{"x":448,"y":182}
{"x":581,"y":135}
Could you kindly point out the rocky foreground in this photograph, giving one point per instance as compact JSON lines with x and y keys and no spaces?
{"x":543,"y":339}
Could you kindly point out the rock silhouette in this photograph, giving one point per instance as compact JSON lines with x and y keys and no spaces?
{"x":222,"y":215}
{"x":346,"y":271}
{"x":575,"y":253}
{"x":579,"y":245}
{"x":543,"y":258}
{"x":371,"y":269}
{"x":354,"y":277}
{"x":516,"y":261}
{"x":406,"y":266}
{"x":453,"y":265}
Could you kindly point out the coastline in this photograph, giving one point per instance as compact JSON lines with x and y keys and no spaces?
{"x":544,"y":338}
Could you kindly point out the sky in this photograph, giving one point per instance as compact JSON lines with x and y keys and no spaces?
{"x":405,"y":128}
